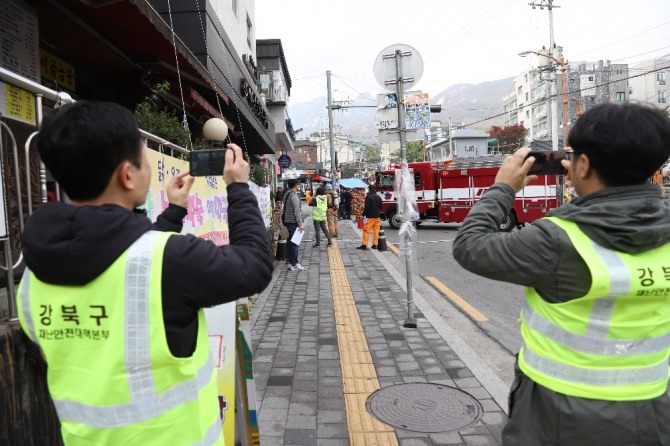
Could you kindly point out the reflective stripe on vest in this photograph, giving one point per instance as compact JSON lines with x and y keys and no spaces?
{"x":319,"y":211}
{"x":145,"y":403}
{"x":584,"y":359}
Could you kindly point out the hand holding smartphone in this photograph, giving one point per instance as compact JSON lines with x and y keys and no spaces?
{"x":547,"y":163}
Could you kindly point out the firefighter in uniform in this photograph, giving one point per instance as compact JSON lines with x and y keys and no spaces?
{"x":116,"y":303}
{"x":593,"y":367}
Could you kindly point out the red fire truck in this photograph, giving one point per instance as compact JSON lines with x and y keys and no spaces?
{"x":446,"y":191}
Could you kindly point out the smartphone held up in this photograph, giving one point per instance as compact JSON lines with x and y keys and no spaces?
{"x":207,"y":163}
{"x":547,"y":162}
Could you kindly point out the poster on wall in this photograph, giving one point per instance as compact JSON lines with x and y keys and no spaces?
{"x":263,"y":197}
{"x":207,"y":218}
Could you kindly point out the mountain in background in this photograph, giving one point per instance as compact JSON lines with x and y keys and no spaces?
{"x":463,"y":103}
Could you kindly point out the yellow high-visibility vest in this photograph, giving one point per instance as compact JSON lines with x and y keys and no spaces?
{"x":319,"y":211}
{"x":111,"y":375}
{"x":614,"y":342}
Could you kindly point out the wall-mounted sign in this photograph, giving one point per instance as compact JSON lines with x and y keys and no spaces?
{"x":57,"y":71}
{"x":255,"y":102}
{"x":284,"y":161}
{"x":19,"y":39}
{"x":17,"y":104}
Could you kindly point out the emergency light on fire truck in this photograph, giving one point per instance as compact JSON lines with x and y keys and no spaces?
{"x":446,"y":191}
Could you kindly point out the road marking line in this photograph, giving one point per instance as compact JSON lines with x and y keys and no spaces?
{"x":359,"y":376}
{"x":455,"y":298}
{"x":393,"y":248}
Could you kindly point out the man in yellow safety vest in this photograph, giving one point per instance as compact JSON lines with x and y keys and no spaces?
{"x":593,"y":367}
{"x":114,"y":302}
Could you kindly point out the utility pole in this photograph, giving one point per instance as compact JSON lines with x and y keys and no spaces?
{"x":552,"y":47}
{"x":333,"y":167}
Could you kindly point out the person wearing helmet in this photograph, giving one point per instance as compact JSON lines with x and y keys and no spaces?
{"x":331,"y":214}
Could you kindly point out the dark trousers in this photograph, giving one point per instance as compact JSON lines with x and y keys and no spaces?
{"x":291,"y":248}
{"x":323,"y":227}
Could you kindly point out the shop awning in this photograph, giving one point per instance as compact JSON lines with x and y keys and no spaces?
{"x":321,"y":178}
{"x":353,"y":183}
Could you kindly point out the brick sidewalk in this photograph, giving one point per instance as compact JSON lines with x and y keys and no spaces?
{"x":299,"y":353}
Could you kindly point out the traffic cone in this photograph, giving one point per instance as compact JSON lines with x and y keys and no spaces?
{"x":381,"y":241}
{"x":360,"y":221}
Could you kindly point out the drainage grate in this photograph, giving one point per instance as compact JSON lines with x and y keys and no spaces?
{"x":423,"y":407}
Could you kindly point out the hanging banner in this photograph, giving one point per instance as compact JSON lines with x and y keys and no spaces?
{"x":207,"y":218}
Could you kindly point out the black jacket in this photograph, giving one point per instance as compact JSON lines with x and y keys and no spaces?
{"x":373,"y":205}
{"x":68,"y":245}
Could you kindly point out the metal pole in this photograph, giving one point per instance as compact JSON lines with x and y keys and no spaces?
{"x":410,"y":322}
{"x":554,"y":98}
{"x":333,"y":167}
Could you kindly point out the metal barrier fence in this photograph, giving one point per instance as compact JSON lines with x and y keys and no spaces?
{"x":59,"y":98}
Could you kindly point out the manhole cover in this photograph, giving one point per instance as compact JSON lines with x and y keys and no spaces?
{"x":423,"y":407}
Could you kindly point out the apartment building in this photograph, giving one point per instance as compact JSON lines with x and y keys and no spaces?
{"x":648,"y":82}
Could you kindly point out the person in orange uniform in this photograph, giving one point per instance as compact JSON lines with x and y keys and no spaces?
{"x":371,"y":211}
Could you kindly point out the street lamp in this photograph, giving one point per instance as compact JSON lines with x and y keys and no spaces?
{"x":215,"y":130}
{"x":562,"y":62}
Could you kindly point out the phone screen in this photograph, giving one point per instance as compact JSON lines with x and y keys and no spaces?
{"x":547,"y":163}
{"x":207,"y":163}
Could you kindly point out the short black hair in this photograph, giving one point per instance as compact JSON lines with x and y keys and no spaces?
{"x":291,"y":183}
{"x":371,"y":188}
{"x":625,"y":143}
{"x":83,"y":143}
{"x":321,"y":191}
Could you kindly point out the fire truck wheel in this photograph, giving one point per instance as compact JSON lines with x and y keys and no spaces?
{"x":394,"y":219}
{"x":509,"y":223}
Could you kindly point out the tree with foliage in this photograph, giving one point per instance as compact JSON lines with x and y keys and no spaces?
{"x":156,"y":119}
{"x":414,"y":152}
{"x":372,"y":153}
{"x":509,"y":138}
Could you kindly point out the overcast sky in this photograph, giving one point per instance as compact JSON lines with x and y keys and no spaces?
{"x":460,"y":42}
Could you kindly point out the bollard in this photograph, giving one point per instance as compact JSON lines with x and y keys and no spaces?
{"x":381,"y":241}
{"x":360,"y":221}
{"x":281,"y":250}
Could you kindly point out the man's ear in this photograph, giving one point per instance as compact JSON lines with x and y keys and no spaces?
{"x":584,"y":169}
{"x":124,"y":175}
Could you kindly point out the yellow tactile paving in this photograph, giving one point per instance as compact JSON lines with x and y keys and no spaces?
{"x":359,"y":376}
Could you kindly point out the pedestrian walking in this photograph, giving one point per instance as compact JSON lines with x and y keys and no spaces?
{"x":116,"y":303}
{"x":292,"y":219}
{"x":279,"y":195}
{"x":371,"y":215}
{"x":331,"y":213}
{"x":320,"y":207}
{"x":593,"y":368}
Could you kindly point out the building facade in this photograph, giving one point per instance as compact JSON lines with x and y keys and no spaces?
{"x":650,"y":83}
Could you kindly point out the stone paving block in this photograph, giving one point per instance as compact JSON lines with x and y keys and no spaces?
{"x":272,"y":414}
{"x":331,"y":442}
{"x":301,"y":409}
{"x":275,"y":402}
{"x":301,"y":422}
{"x":331,"y":416}
{"x":415,"y":441}
{"x":479,"y":440}
{"x":405,"y":366}
{"x":446,"y":438}
{"x":332,"y":431}
{"x":300,"y":436}
{"x":305,"y":385}
{"x":303,"y":397}
{"x":466,"y":383}
{"x":336,"y":403}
